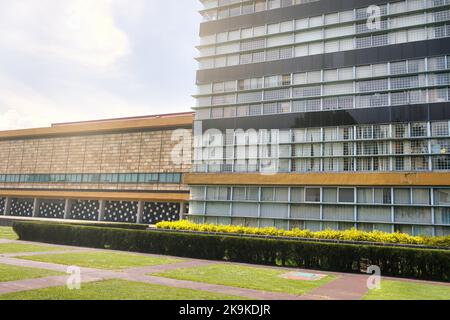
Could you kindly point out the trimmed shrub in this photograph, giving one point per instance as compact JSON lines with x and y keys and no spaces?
{"x":116,"y":225}
{"x":394,"y":261}
{"x":348,"y":235}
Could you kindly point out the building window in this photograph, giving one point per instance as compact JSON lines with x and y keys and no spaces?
{"x":402,"y":196}
{"x":312,"y":194}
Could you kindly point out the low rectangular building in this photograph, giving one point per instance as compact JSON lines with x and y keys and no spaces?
{"x":118,"y":170}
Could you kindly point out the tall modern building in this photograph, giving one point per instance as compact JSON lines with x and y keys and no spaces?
{"x":323,"y":114}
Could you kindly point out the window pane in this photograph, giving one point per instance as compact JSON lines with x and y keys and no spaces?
{"x":365,"y":195}
{"x":402,"y":196}
{"x":312,"y":194}
{"x":347,"y":195}
{"x":383,"y":196}
{"x":330,"y":195}
{"x":421,"y":196}
{"x":442,"y":197}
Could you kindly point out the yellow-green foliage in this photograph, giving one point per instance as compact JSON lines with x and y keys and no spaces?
{"x":350,"y":235}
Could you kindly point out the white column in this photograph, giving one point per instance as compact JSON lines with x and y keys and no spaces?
{"x":182,"y":208}
{"x":140,"y":212}
{"x":101,"y":210}
{"x":7,"y":208}
{"x":36,"y":208}
{"x":67,"y":206}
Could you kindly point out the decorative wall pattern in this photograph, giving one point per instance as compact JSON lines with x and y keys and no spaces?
{"x":53,"y":209}
{"x":22,"y":207}
{"x":155,"y":212}
{"x":2,"y":205}
{"x":119,"y":161}
{"x":84,"y":210}
{"x":121,"y":211}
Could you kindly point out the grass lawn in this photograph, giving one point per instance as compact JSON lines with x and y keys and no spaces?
{"x":103,"y":260}
{"x":265,"y":279}
{"x":14,"y":273}
{"x":24,"y":248}
{"x":117,"y":290}
{"x":8,"y":233}
{"x":401,"y":290}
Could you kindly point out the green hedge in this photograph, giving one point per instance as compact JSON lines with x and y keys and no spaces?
{"x":394,"y":261}
{"x":116,"y":225}
{"x":346,"y":235}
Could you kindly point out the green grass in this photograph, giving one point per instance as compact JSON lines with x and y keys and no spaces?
{"x":117,"y":290}
{"x":401,"y":290}
{"x":103,"y":260}
{"x":265,"y":279}
{"x":14,"y":273}
{"x":8,"y":233}
{"x":25,"y":248}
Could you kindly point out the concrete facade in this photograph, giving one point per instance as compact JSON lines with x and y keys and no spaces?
{"x":119,"y":170}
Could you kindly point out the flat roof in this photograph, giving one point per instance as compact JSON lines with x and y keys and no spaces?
{"x":153,"y":116}
{"x":174,"y":120}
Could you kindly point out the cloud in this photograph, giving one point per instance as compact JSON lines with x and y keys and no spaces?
{"x":78,"y":30}
{"x":22,"y":106}
{"x":72,"y":60}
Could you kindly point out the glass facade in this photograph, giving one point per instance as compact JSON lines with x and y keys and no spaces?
{"x":327,"y":33}
{"x":296,"y":92}
{"x":418,"y":146}
{"x":337,"y":208}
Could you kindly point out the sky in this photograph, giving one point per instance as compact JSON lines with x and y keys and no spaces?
{"x":74,"y":60}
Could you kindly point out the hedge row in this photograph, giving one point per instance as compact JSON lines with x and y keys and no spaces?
{"x":116,"y":225}
{"x":348,"y":235}
{"x":402,"y":262}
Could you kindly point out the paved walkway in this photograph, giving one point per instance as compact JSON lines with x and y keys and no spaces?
{"x":345,"y":287}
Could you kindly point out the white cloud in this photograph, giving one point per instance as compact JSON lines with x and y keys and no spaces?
{"x":22,"y":106}
{"x":71,"y":60}
{"x":78,"y":30}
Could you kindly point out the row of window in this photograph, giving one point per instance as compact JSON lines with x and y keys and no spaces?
{"x":332,"y":18}
{"x":331,"y":164}
{"x":337,"y":149}
{"x":330,"y":149}
{"x":326,"y":134}
{"x":104,"y":178}
{"x":343,"y":213}
{"x":344,"y":90}
{"x":344,"y":102}
{"x":415,"y":230}
{"x":330,"y":46}
{"x":288,"y":36}
{"x":345,"y":195}
{"x":221,"y":9}
{"x":395,"y":68}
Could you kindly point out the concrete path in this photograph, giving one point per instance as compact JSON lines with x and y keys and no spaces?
{"x":30,"y":254}
{"x":345,"y":287}
{"x":39,"y":283}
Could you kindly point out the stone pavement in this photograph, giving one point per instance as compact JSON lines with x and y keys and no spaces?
{"x":344,"y":287}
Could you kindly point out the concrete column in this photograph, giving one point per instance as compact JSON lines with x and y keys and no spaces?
{"x":36,"y":208}
{"x":182,"y":208}
{"x":67,"y":207}
{"x":101,"y":210}
{"x":7,"y":209}
{"x":140,"y":213}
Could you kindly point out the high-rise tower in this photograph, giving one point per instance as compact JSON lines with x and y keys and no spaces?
{"x":324,"y":114}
